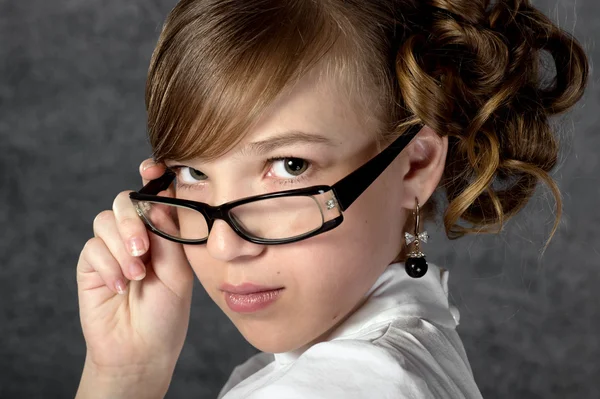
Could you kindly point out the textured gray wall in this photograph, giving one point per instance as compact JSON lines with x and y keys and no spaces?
{"x":72,"y":135}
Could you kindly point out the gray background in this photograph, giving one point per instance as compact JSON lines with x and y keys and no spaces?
{"x":72,"y":135}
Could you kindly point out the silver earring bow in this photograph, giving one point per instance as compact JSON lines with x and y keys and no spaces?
{"x":416,"y":264}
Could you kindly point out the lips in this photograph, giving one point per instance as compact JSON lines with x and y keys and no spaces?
{"x":247,"y":288}
{"x":249,"y":298}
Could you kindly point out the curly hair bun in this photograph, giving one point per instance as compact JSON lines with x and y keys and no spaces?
{"x":475,"y":72}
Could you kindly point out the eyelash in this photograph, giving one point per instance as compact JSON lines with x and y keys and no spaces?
{"x":302,"y":177}
{"x":307,"y":173}
{"x":175,"y":169}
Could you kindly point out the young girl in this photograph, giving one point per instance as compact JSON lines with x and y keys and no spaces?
{"x":296,"y":145}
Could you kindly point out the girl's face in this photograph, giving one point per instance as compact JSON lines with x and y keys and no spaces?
{"x":323,"y":277}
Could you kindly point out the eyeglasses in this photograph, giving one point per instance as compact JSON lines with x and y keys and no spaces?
{"x":274,"y":218}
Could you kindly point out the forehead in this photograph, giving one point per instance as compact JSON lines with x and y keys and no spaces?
{"x":317,"y":109}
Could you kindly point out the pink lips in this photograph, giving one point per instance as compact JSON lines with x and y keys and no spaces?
{"x":248,"y":298}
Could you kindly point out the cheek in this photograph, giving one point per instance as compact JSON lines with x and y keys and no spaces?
{"x":373,"y":224}
{"x":368,"y":239}
{"x":201,"y":264}
{"x":338,"y":267}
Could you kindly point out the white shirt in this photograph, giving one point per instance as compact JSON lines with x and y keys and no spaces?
{"x":401,"y":343}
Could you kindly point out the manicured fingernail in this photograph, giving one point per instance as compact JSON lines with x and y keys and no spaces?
{"x":137,"y":246}
{"x":148,"y":165}
{"x":137,"y":271}
{"x":120,"y":286}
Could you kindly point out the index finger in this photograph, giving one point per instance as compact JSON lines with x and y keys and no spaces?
{"x":150,"y":170}
{"x":130,"y":226}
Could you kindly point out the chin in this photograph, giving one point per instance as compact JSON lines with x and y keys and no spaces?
{"x":269,"y":339}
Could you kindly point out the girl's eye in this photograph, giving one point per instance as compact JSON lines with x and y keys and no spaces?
{"x":289,"y":167}
{"x":187,"y":175}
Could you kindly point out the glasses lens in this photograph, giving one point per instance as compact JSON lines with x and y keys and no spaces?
{"x":267,"y":219}
{"x":174,"y":221}
{"x":278,"y":218}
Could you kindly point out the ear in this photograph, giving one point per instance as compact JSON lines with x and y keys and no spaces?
{"x":423,"y":165}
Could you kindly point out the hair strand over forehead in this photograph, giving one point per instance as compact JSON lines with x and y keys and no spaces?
{"x":220,"y":63}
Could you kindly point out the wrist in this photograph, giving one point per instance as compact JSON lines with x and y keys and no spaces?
{"x":138,"y":381}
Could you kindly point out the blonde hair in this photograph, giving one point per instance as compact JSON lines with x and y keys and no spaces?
{"x":467,"y":69}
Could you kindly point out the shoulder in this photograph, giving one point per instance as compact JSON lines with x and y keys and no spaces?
{"x":352,"y":369}
{"x":413,"y":358}
{"x":250,"y":367}
{"x":434,"y":352}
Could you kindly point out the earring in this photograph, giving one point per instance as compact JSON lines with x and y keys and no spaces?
{"x":416,"y":265}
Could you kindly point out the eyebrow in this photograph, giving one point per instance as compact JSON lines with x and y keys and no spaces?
{"x":284,"y":139}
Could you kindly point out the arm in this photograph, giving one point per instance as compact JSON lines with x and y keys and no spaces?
{"x":140,"y":383}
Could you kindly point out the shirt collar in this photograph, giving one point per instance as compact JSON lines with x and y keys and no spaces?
{"x":394,"y":295}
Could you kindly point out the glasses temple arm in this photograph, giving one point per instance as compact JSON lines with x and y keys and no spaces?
{"x":155,"y":186}
{"x":348,"y":189}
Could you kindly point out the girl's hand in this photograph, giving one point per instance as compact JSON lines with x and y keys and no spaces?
{"x":135,"y":292}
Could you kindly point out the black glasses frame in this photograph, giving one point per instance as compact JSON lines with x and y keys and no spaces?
{"x":345,"y":192}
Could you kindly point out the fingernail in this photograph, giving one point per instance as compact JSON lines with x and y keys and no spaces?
{"x":120,"y":286}
{"x":137,"y":271}
{"x":137,"y":246}
{"x":148,"y":165}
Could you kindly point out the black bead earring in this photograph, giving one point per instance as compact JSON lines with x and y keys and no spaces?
{"x":416,"y":265}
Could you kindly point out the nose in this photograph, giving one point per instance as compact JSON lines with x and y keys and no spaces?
{"x":225,"y":245}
